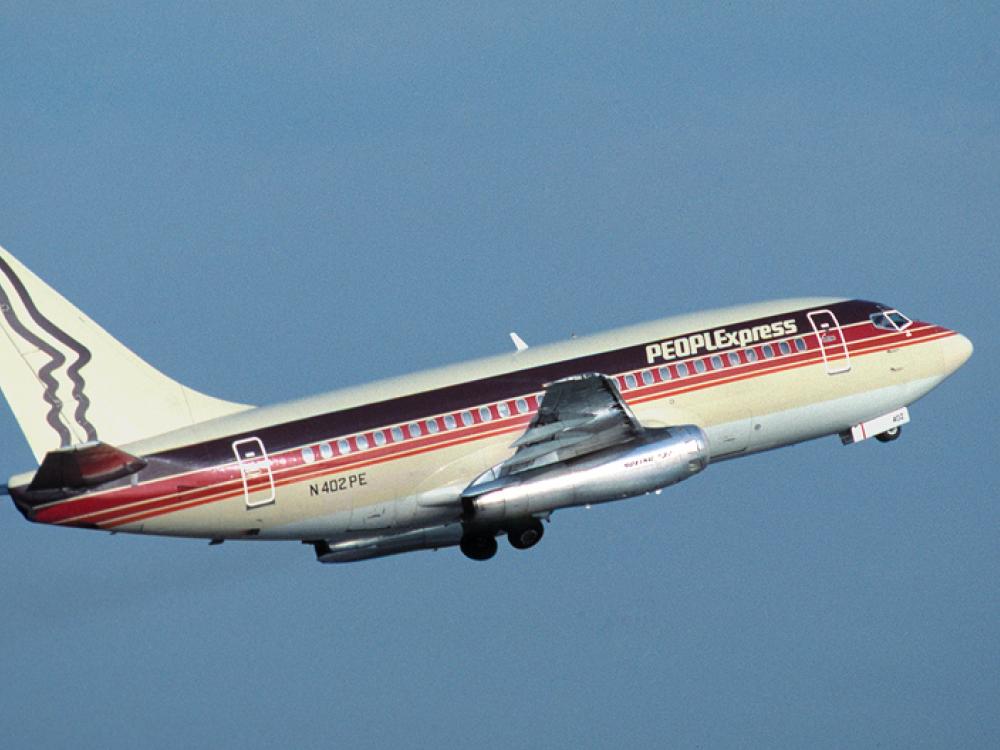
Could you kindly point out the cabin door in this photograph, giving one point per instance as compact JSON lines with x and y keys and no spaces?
{"x":255,"y":469}
{"x":832,"y":344}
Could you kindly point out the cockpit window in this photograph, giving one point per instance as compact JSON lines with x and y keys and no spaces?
{"x":890,"y":320}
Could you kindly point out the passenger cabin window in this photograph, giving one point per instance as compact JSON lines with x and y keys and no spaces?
{"x":343,"y":447}
{"x":379,"y":437}
{"x":751,"y":355}
{"x":767,"y":351}
{"x":467,"y":419}
{"x":362,"y":442}
{"x":415,"y":430}
{"x":326,"y":450}
{"x":699,"y":365}
{"x":647,"y":377}
{"x":504,"y":408}
{"x":630,"y":381}
{"x":485,"y":414}
{"x":682,"y":370}
{"x":800,"y":345}
{"x":449,"y":422}
{"x":432,"y":426}
{"x":664,"y":373}
{"x":890,"y":320}
{"x":397,"y":435}
{"x":308,"y":456}
{"x":734,"y":358}
{"x":716,"y":362}
{"x":784,"y":347}
{"x":522,"y":406}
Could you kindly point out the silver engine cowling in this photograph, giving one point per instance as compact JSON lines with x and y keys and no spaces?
{"x":366,"y":548}
{"x":660,"y":458}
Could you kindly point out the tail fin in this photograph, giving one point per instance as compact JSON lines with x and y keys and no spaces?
{"x":68,"y":381}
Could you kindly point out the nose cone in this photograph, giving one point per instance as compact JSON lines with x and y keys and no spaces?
{"x":955,"y":351}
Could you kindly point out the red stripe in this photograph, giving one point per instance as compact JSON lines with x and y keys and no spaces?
{"x":85,"y":508}
{"x":132,"y":516}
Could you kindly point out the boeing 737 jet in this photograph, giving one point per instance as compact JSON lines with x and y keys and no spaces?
{"x":459,"y":455}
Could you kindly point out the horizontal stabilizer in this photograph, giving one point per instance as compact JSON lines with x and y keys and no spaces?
{"x":81,"y":466}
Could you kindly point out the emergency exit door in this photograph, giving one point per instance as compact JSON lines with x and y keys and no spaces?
{"x":836,"y":357}
{"x":255,"y":469}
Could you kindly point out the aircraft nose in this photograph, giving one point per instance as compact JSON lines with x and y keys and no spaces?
{"x":956,"y":350}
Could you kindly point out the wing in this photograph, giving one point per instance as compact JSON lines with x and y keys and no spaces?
{"x":578,"y":415}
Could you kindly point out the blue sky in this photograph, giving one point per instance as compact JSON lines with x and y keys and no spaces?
{"x":276,"y":200}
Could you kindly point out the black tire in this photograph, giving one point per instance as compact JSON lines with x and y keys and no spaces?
{"x":526,"y":536}
{"x":478,"y":546}
{"x":889,"y":435}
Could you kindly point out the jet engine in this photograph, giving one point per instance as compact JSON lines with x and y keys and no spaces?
{"x":366,"y":548}
{"x":657,"y":459}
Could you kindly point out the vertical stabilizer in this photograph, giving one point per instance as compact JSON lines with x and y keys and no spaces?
{"x":68,"y":381}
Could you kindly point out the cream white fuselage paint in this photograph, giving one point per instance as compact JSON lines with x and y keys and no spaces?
{"x":388,"y":467}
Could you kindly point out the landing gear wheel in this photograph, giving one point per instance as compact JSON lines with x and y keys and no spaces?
{"x":889,"y":435}
{"x":478,"y":546}
{"x":523,"y":537}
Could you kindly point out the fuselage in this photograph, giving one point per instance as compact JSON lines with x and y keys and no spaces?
{"x":392,"y":457}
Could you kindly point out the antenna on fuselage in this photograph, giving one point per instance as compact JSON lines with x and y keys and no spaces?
{"x":518,"y":342}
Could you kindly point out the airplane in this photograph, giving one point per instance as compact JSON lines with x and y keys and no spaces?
{"x":455,"y":456}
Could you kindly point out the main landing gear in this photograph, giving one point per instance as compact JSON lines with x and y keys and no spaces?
{"x":526,"y":536}
{"x":482,"y":545}
{"x":478,"y":546}
{"x":889,"y":435}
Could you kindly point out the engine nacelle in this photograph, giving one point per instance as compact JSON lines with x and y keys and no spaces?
{"x":366,"y":548}
{"x":660,"y":458}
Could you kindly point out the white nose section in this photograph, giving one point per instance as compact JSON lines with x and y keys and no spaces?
{"x":955,"y":351}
